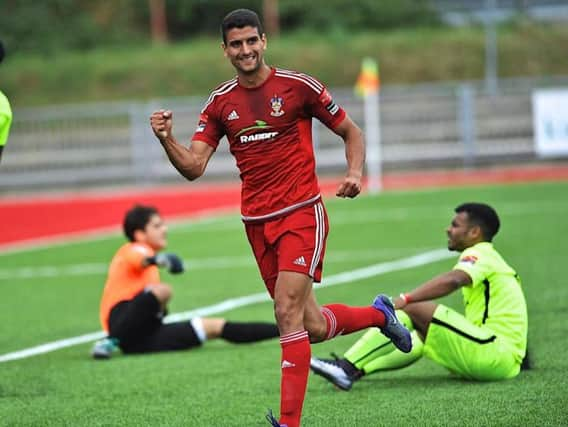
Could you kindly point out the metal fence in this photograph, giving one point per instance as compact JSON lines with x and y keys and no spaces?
{"x":466,"y":12}
{"x":103,"y":144}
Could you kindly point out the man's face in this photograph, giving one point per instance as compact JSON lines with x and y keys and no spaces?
{"x":461,"y":233}
{"x":245,"y":49}
{"x":155,"y":233}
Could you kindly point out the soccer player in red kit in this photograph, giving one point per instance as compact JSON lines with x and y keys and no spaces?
{"x":266,"y":114}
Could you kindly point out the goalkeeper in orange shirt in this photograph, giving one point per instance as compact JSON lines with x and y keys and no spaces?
{"x":134,"y":299}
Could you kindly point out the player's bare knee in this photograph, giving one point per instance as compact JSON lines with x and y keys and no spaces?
{"x":420,"y":314}
{"x":213,"y":327}
{"x":161,"y":291}
{"x":421,"y":311}
{"x":288,"y":316}
{"x":283,"y":312}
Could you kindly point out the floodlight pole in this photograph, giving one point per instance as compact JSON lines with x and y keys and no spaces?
{"x":271,"y":17}
{"x":158,"y":21}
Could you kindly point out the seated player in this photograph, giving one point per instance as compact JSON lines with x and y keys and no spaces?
{"x":5,"y":112}
{"x":488,"y":343}
{"x":134,"y":300}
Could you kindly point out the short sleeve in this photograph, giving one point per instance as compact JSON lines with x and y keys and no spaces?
{"x":135,"y":255}
{"x":322,"y":106}
{"x":209,"y":129}
{"x":475,"y":264}
{"x":4,"y":119}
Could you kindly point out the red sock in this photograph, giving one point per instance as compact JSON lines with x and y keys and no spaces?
{"x":296,"y":352}
{"x":342,"y":319}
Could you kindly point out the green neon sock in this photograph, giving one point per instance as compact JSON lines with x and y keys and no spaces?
{"x":405,"y":319}
{"x":395,"y":359}
{"x":373,"y":344}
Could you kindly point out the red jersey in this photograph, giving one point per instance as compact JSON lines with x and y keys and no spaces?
{"x":127,"y":277}
{"x":269,"y":129}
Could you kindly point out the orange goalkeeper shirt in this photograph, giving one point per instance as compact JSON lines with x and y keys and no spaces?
{"x":127,"y":277}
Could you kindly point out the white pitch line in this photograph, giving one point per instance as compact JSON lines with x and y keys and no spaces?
{"x":214,"y":263}
{"x":231,"y":304}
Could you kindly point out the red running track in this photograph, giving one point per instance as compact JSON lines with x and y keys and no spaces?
{"x":34,"y":219}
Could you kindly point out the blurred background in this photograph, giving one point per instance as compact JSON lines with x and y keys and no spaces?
{"x":458,"y":82}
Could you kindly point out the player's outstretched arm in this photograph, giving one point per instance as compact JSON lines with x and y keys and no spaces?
{"x":355,"y":155}
{"x":437,"y":287}
{"x":189,"y":161}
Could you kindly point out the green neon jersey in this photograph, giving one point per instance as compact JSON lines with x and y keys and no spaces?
{"x":5,"y":119}
{"x":495,"y":298}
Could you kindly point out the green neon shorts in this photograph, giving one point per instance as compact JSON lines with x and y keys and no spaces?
{"x":467,"y":350}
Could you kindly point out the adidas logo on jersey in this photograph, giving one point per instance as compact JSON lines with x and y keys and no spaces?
{"x":233,"y":115}
{"x":286,"y":364}
{"x":300,"y":261}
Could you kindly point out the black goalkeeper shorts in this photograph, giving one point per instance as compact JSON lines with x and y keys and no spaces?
{"x":139,"y":328}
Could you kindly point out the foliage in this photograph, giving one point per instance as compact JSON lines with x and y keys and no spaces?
{"x":52,"y":25}
{"x":190,"y":18}
{"x":357,"y":16}
{"x":195,"y":66}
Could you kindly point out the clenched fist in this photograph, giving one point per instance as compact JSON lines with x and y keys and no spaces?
{"x":161,"y":122}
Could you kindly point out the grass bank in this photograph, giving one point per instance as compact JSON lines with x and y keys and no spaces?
{"x":195,"y":66}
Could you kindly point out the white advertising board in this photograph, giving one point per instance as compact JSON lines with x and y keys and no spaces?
{"x":550,"y":121}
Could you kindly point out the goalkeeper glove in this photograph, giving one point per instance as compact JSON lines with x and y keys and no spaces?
{"x":172,"y":262}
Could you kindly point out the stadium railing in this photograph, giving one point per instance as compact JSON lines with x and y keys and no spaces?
{"x":422,"y":126}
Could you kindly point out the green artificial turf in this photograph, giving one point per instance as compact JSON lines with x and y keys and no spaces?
{"x":52,"y":293}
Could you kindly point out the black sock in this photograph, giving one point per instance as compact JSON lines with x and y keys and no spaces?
{"x":350,"y":369}
{"x":527,"y":362}
{"x":248,"y":331}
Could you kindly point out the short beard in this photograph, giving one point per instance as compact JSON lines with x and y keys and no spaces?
{"x":251,"y":71}
{"x":257,"y":67}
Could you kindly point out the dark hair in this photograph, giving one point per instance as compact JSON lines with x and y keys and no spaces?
{"x":482,"y":215}
{"x":240,"y":18}
{"x":136,"y":219}
{"x":2,"y":51}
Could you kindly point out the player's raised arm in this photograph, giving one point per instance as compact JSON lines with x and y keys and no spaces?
{"x":189,"y":161}
{"x":355,"y":155}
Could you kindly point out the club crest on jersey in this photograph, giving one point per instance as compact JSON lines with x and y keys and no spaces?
{"x":469,"y":259}
{"x":276,"y":103}
{"x":202,"y":124}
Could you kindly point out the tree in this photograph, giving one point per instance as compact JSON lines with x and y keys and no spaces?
{"x":271,"y":17}
{"x":158,"y":21}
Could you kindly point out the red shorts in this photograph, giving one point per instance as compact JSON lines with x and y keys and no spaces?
{"x":294,"y":242}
